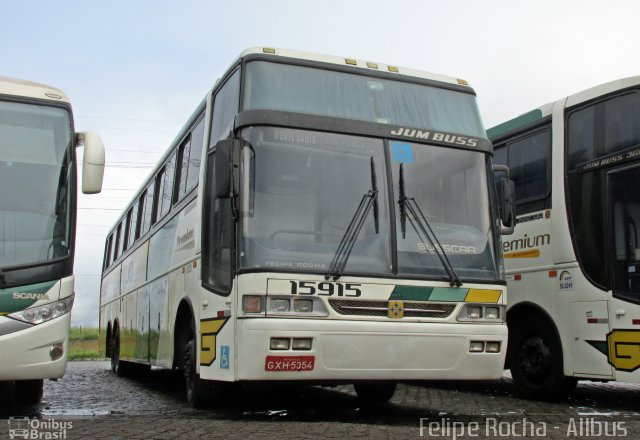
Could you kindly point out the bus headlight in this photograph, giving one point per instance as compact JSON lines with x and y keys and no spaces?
{"x":44,"y":313}
{"x":279,"y":305}
{"x":303,"y":305}
{"x":282,"y":306}
{"x":481,"y":312}
{"x":492,"y":312}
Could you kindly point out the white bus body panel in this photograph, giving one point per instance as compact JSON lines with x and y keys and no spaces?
{"x":25,"y":354}
{"x":344,"y":347}
{"x":585,"y":316}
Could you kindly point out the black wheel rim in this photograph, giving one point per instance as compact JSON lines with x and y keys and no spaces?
{"x":536,"y":359}
{"x":115,"y":353}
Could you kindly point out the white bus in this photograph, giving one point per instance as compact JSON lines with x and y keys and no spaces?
{"x":317,"y":219}
{"x":573,"y":265}
{"x":37,"y":229}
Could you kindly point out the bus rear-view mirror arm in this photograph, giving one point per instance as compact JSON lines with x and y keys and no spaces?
{"x":507,"y":192}
{"x":92,"y":161}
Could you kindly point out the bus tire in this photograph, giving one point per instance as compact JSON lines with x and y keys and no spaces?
{"x":118,"y":366}
{"x":29,"y":391}
{"x":375,"y":393}
{"x":196,"y":388}
{"x":535,"y":360}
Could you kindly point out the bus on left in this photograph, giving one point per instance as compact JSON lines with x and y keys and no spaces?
{"x":38,"y":198}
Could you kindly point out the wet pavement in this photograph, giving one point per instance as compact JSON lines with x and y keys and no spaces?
{"x":91,"y":402}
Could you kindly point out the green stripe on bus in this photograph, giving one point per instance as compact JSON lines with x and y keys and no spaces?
{"x":448,"y":294}
{"x":414,"y":293}
{"x":513,"y":124}
{"x":11,"y":304}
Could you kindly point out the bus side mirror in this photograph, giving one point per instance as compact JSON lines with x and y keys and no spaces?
{"x":506,"y":189}
{"x":92,"y":161}
{"x":226,"y":168}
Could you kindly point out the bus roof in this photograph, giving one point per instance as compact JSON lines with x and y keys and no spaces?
{"x":352,"y":62}
{"x":30,"y":89}
{"x":569,"y":101}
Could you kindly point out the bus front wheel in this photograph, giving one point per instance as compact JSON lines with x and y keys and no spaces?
{"x":29,"y":391}
{"x":197,"y":395}
{"x":372,"y":393}
{"x":535,"y":360}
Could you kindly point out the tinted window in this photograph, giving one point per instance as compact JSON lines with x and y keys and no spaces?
{"x":217,"y":253}
{"x":197,"y":138}
{"x":603,"y":128}
{"x":271,"y":86}
{"x":107,"y":253}
{"x":147,"y":208}
{"x":529,"y":159}
{"x":225,"y":108}
{"x":167,"y":186}
{"x":181,"y":171}
{"x":132,"y":225}
{"x":158,"y":195}
{"x":117,"y":249}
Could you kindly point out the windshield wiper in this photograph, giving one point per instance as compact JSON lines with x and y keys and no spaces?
{"x":423,"y":228}
{"x":368,"y":201}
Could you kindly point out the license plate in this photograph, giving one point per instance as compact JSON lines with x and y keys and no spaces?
{"x":289,"y":363}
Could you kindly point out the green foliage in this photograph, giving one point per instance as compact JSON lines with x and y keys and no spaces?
{"x":83,"y":333}
{"x":83,"y":353}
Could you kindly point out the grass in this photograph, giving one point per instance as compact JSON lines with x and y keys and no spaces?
{"x":83,"y":343}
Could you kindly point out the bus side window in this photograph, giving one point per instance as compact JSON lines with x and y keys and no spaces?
{"x":147,"y":218}
{"x":225,"y":108}
{"x":118,"y":246}
{"x":107,"y":252}
{"x":157,"y":196}
{"x":195,"y":154}
{"x":182,"y":163}
{"x":528,"y":156}
{"x":132,"y":222}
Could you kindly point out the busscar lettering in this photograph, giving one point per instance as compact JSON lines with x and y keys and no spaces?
{"x":448,"y":248}
{"x":446,"y":138}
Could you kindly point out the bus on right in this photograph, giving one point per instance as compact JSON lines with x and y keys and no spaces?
{"x":573,"y":263}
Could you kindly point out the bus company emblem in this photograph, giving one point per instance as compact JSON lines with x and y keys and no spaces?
{"x":427,"y":135}
{"x":36,"y":296}
{"x":396,"y":309}
{"x":622,"y":349}
{"x":209,"y":329}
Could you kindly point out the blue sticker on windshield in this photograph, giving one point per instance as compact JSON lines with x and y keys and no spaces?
{"x":402,"y":152}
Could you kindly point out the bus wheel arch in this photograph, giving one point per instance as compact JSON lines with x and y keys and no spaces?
{"x":185,"y":357}
{"x":184,"y":326}
{"x":535,"y":355}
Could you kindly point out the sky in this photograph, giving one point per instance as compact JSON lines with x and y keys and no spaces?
{"x":136,"y":69}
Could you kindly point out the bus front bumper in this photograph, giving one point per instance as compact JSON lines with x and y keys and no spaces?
{"x":366,"y":350}
{"x":27,"y":354}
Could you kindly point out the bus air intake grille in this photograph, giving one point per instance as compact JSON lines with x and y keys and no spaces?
{"x":381,"y":308}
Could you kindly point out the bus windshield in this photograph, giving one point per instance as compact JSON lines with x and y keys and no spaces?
{"x":315,"y":91}
{"x":448,"y":189}
{"x":300,"y":192}
{"x":301,"y":189}
{"x":35,"y":149}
